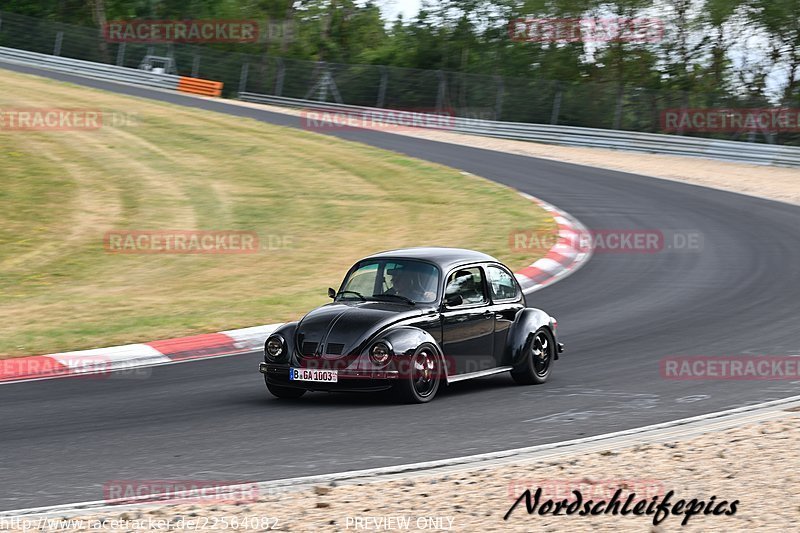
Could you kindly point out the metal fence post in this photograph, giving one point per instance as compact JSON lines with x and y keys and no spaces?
{"x":279,"y":77}
{"x":684,"y":109}
{"x":243,"y":77}
{"x":57,"y":47}
{"x":441,"y":91}
{"x":556,"y":105}
{"x":196,"y":66}
{"x":618,"y":108}
{"x":498,"y":103}
{"x":382,"y":87}
{"x":121,"y":54}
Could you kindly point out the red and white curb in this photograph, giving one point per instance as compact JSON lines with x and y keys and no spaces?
{"x":565,"y":257}
{"x":115,"y":358}
{"x":562,"y":259}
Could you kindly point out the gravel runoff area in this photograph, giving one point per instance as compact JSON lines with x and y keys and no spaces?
{"x":753,"y":466}
{"x":775,"y":183}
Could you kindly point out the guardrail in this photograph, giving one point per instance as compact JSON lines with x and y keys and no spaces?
{"x":89,"y":69}
{"x":561,"y":135}
{"x":654,"y":143}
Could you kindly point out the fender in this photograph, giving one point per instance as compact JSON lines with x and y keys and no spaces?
{"x":286,"y":331}
{"x":526,"y":323}
{"x":406,"y":339}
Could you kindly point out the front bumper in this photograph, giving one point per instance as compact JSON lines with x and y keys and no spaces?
{"x":348,"y":380}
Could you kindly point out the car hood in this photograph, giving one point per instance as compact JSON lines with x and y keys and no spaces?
{"x":337,"y":329}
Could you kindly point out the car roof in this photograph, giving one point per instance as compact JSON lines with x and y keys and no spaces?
{"x":445,"y":258}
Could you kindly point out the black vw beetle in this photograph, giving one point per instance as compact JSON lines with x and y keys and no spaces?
{"x":410,"y":320}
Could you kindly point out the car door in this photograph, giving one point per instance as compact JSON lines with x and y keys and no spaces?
{"x":506,"y":303}
{"x":467,"y":322}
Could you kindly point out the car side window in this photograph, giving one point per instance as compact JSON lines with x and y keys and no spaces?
{"x":501,"y":284}
{"x":467,"y":283}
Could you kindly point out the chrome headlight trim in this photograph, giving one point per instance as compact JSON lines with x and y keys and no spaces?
{"x":380,"y":353}
{"x":275,"y":347}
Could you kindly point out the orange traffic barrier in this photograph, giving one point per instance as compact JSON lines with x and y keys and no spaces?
{"x":199,"y":86}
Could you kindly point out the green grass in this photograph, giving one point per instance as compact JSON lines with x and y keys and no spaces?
{"x":184,"y":169}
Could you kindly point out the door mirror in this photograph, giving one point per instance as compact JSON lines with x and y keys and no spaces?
{"x":331,"y":293}
{"x":454,"y":300}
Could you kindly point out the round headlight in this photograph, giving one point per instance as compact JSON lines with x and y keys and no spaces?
{"x":380,"y":353}
{"x":274,"y":347}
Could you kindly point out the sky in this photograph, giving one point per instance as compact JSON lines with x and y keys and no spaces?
{"x":391,"y":8}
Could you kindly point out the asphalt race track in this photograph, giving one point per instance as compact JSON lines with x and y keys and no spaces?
{"x":619,"y":315}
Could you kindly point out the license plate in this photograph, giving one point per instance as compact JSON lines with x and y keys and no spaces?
{"x":307,"y":374}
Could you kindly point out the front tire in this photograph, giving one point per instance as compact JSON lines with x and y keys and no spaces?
{"x":289,"y":393}
{"x":538,"y":363}
{"x":420,"y":383}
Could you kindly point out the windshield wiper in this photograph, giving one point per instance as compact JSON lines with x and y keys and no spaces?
{"x":404,"y":298}
{"x":360,"y":296}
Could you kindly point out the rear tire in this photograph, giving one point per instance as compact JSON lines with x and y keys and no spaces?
{"x":538,"y":363}
{"x":423,"y":379}
{"x":289,"y":393}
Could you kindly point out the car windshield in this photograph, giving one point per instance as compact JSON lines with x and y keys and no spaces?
{"x":392,"y":279}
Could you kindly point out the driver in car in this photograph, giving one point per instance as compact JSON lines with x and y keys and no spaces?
{"x":417,"y":286}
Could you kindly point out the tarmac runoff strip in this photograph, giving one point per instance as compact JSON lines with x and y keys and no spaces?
{"x":562,"y":259}
{"x":677,"y":430}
